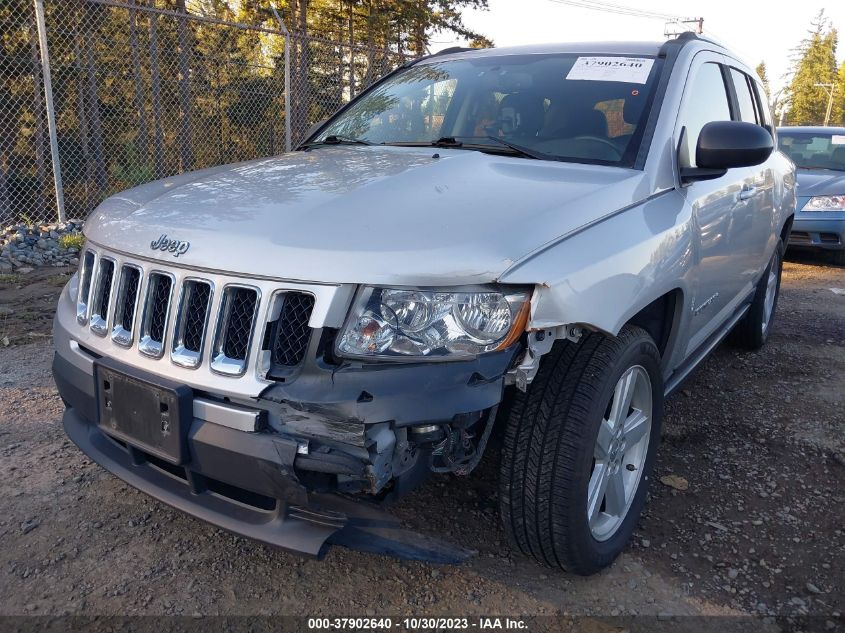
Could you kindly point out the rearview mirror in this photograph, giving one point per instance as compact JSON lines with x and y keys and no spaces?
{"x":723,"y":145}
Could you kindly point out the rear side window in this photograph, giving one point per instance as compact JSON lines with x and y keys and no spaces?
{"x":744,"y":98}
{"x":765,"y":108}
{"x":707,"y":100}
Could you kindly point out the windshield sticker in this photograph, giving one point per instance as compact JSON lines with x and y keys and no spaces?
{"x":633,"y":70}
{"x":837,"y":139}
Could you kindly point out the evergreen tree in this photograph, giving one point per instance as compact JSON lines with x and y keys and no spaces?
{"x":764,"y":77}
{"x":141,"y":94}
{"x":814,"y":63}
{"x":839,"y":98}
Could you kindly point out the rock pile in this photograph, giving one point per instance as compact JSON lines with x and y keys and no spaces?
{"x":23,"y":245}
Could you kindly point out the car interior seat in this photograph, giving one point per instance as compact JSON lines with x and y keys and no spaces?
{"x":521,"y":114}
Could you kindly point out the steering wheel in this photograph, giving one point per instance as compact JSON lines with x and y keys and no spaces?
{"x":603,"y":141}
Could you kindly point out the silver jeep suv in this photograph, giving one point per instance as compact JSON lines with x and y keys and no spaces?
{"x":543,"y":241}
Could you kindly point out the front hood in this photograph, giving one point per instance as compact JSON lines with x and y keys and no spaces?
{"x":819,"y":182}
{"x":355,"y":214}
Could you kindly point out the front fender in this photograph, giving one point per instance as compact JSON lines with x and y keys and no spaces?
{"x":604,"y":274}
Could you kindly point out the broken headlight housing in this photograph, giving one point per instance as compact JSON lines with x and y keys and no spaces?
{"x":392,"y":323}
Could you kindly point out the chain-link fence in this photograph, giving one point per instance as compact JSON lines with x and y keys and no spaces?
{"x":142,"y":91}
{"x":325,"y":74}
{"x":26,"y":177}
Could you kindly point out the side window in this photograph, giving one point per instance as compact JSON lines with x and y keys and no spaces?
{"x":764,"y":105}
{"x":744,"y":98}
{"x":706,"y":101}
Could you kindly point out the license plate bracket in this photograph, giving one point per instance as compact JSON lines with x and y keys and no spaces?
{"x":149,"y":413}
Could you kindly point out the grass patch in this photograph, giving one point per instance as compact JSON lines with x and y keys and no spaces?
{"x":58,"y":280}
{"x":72,"y":240}
{"x":9,"y":278}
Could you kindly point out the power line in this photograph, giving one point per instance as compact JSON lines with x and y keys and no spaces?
{"x":608,"y":7}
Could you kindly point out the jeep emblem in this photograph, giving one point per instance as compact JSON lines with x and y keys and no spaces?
{"x":164,"y":243}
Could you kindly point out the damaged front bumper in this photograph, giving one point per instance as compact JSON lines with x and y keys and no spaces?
{"x":332,"y":430}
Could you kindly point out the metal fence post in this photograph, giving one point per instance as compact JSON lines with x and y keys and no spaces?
{"x":48,"y":102}
{"x":287,"y":77}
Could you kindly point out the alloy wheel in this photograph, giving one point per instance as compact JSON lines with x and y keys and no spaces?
{"x":620,"y":453}
{"x":771,"y":293}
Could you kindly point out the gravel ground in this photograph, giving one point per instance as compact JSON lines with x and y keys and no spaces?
{"x":755,"y":439}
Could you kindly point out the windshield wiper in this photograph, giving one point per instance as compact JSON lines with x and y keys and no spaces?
{"x":443,"y":141}
{"x":818,"y":167}
{"x":523,"y":151}
{"x":447,"y":141}
{"x":334,"y":139}
{"x":452,"y":142}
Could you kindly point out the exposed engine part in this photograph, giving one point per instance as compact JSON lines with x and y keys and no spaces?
{"x":462,"y":448}
{"x":427,"y":433}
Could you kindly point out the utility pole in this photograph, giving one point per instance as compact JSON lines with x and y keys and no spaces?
{"x":673,"y":28}
{"x":780,"y":104}
{"x":286,"y":34}
{"x":830,"y":89}
{"x":51,"y":114}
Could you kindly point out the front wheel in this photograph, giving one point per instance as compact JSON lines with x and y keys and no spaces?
{"x":579,"y":449}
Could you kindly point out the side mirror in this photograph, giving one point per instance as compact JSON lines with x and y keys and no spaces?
{"x":723,"y":145}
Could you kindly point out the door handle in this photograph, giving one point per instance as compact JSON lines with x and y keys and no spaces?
{"x":747,"y":192}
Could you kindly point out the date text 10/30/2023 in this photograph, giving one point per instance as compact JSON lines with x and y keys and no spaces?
{"x":418,"y":624}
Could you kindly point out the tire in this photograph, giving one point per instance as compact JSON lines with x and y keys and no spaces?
{"x":838,"y":258}
{"x":753,"y":330}
{"x":550,"y":441}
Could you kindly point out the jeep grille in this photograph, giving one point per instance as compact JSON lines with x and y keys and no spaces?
{"x":140,"y":304}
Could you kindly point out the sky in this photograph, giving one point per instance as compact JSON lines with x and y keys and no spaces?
{"x":756,"y":30}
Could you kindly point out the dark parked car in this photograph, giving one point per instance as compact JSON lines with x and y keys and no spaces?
{"x":819,"y":156}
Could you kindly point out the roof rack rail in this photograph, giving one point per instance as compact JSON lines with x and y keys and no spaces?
{"x":445,"y":51}
{"x":688,"y":36}
{"x":453,"y":49}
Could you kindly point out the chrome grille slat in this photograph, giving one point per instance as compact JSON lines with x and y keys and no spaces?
{"x":191,"y":323}
{"x":102,"y":296}
{"x":83,"y":299}
{"x":156,"y":309}
{"x":235,"y":327}
{"x":126,"y":304}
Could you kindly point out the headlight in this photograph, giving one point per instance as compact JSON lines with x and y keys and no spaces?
{"x":435,"y":324}
{"x":825,"y":203}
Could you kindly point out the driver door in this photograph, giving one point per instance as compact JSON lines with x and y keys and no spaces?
{"x":715,"y":204}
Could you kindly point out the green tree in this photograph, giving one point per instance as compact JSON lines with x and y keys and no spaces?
{"x":839,"y":96}
{"x":142,"y":93}
{"x":814,"y":63}
{"x":764,"y":77}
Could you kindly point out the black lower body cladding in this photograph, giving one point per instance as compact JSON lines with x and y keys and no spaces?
{"x":258,"y":484}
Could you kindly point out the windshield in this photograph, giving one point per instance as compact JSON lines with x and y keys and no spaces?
{"x":562,"y":106}
{"x":814,"y":150}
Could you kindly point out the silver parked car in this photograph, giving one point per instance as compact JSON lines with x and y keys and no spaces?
{"x":545,"y":238}
{"x":819,"y":155}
